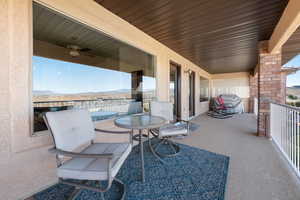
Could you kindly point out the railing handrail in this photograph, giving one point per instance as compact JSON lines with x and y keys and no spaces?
{"x":287,"y":106}
{"x":83,"y":100}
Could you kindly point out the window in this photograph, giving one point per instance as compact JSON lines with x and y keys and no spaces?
{"x":204,"y":89}
{"x":76,"y":67}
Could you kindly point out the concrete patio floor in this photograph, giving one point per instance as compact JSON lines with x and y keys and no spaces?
{"x":257,"y":171}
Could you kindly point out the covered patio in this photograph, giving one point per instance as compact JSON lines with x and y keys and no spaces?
{"x":256,"y":171}
{"x":114,"y":59}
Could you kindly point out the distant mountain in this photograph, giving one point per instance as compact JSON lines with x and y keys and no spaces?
{"x":121,"y":91}
{"x":43,"y":92}
{"x":296,"y":86}
{"x":41,"y":96}
{"x":294,"y":90}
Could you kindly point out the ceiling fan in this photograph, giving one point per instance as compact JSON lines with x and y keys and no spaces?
{"x":75,"y":50}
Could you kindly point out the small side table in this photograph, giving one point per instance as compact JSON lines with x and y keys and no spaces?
{"x":140,"y":122}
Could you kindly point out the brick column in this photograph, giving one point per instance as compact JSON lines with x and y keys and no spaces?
{"x":271,"y":85}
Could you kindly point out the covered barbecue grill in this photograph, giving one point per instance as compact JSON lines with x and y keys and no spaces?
{"x":225,"y":106}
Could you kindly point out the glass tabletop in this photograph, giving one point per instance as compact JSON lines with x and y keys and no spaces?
{"x":140,"y":121}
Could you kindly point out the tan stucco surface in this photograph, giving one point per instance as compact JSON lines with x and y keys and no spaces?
{"x":287,"y":25}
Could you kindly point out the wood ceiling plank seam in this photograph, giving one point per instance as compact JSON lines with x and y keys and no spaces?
{"x":202,"y":12}
{"x":201,"y":42}
{"x":252,"y":21}
{"x":248,"y":52}
{"x":226,"y":44}
{"x":241,"y":52}
{"x":143,"y":14}
{"x":113,"y":4}
{"x":227,"y":36}
{"x":245,"y":27}
{"x":229,"y":56}
{"x":199,"y":15}
{"x":206,"y":26}
{"x":138,"y":9}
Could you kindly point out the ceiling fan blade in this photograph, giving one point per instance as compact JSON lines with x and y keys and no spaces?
{"x":85,"y":49}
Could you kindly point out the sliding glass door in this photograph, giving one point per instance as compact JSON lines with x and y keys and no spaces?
{"x":175,"y":70}
{"x":192,"y":94}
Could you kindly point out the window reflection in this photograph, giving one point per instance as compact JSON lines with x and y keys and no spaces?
{"x":204,"y":89}
{"x":76,"y":67}
{"x":59,"y":85}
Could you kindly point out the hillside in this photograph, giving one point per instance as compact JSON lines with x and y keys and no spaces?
{"x":295,"y":90}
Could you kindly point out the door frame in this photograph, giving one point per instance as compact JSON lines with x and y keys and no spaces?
{"x":177,"y":88}
{"x":192,"y":84}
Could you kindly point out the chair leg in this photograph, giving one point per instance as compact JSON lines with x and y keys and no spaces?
{"x":158,"y":144}
{"x":102,"y":195}
{"x":74,"y":194}
{"x":154,"y":151}
{"x":172,"y":145}
{"x":121,"y":184}
{"x":92,"y":188}
{"x":175,"y":147}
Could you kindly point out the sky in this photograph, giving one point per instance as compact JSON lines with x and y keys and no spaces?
{"x":293,"y":79}
{"x":67,"y":78}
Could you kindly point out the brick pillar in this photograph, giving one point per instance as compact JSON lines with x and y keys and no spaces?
{"x":253,"y":84}
{"x":271,"y":85}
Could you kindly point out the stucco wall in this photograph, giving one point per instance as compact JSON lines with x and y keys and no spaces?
{"x":5,"y":127}
{"x":16,"y":54}
{"x":232,"y":83}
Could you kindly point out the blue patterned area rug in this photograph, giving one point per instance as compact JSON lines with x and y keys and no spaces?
{"x":194,"y":174}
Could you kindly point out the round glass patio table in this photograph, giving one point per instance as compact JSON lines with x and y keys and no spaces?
{"x":140,"y":122}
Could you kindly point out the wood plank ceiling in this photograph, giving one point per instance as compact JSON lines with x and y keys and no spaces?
{"x":218,"y":35}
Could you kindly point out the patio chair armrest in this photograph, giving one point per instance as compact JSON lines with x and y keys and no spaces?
{"x":184,"y":121}
{"x":80,"y":155}
{"x":187,"y":121}
{"x":112,"y":132}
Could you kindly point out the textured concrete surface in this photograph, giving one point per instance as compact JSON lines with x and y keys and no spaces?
{"x":256,"y":172}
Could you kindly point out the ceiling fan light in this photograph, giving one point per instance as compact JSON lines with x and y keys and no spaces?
{"x":74,"y":53}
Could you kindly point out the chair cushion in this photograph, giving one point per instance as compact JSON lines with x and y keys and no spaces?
{"x":162,"y":109}
{"x":173,"y":130}
{"x":71,"y":128}
{"x":95,"y":169}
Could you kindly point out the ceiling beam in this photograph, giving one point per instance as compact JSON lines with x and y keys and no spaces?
{"x":287,"y":25}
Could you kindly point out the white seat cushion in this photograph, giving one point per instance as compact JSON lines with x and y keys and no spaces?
{"x":95,"y":169}
{"x":162,"y":109}
{"x":71,"y":128}
{"x":173,"y":130}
